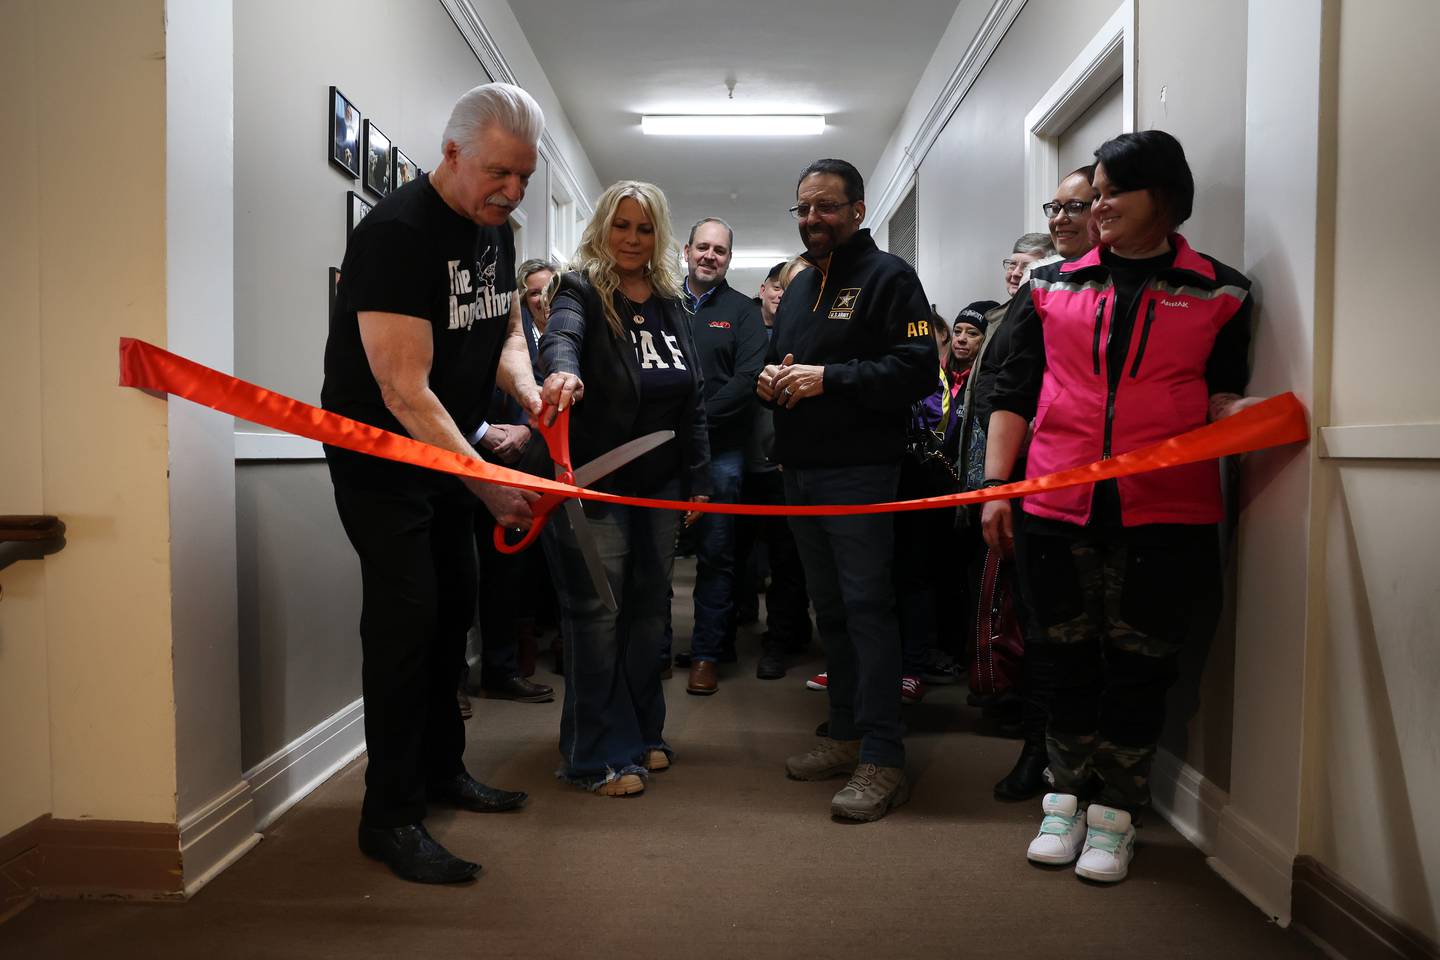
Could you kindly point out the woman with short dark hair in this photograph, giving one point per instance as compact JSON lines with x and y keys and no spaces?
{"x":1140,"y":339}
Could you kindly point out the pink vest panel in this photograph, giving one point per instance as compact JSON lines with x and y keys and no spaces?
{"x":1161,"y":392}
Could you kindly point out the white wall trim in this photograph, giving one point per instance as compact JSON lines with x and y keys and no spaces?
{"x":1381,"y":441}
{"x":1254,"y":865}
{"x":256,"y":445}
{"x":1109,"y":56}
{"x":488,"y":52}
{"x":1188,"y":801}
{"x":217,"y":835}
{"x":522,"y":235}
{"x":287,"y":776}
{"x":987,"y":38}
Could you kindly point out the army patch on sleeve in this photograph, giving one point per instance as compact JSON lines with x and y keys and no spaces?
{"x":844,"y":305}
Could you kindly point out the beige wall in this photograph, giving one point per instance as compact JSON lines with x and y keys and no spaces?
{"x":1372,"y":763}
{"x":1195,"y":90}
{"x":972,"y":182}
{"x":85,"y":634}
{"x":24,"y":692}
{"x":972,"y":190}
{"x":298,"y":579}
{"x":1190,"y":82}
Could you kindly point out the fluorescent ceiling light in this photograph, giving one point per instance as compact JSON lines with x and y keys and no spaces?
{"x":733,"y":125}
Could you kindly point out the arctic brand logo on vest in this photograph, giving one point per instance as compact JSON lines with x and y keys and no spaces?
{"x":1175,"y":303}
{"x":485,"y":303}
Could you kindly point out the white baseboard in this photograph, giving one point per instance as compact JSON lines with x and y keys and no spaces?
{"x":279,"y":781}
{"x":1200,"y":812}
{"x":217,"y":835}
{"x":1191,"y":803}
{"x":1254,"y":864}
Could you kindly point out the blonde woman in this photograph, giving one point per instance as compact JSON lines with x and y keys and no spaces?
{"x":618,"y":347}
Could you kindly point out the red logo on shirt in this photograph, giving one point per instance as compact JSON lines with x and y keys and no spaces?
{"x":720,"y":324}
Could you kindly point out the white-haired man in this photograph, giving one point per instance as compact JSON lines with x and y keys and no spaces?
{"x":425,"y":325}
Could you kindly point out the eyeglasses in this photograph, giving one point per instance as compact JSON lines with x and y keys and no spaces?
{"x":1009,"y":264}
{"x":825,"y":209}
{"x":1072,"y":207}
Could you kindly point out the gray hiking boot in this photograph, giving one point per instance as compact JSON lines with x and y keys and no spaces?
{"x":871,"y":793}
{"x":830,"y":758}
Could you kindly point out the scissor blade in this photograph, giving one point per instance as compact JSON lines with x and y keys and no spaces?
{"x":590,"y":550}
{"x":612,"y":460}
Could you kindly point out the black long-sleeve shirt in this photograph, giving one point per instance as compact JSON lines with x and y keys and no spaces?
{"x":730,"y":338}
{"x":866,"y":320}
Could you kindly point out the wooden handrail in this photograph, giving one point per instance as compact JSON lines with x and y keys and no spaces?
{"x":29,"y":538}
{"x":27,"y":528}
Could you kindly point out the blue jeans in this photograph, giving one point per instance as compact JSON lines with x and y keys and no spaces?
{"x":715,"y":561}
{"x":614,"y":705}
{"x":848,"y":563}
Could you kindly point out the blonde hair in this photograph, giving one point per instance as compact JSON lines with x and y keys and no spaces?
{"x":597,"y":263}
{"x":796,"y":264}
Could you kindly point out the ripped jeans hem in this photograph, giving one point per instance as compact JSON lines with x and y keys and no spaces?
{"x":594,"y":781}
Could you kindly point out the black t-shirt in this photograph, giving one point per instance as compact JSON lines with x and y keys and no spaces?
{"x":414,"y":255}
{"x":665,"y":390}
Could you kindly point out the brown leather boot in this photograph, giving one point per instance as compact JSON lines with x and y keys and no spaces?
{"x":702,"y":681}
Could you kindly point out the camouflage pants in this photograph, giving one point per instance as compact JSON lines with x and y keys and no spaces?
{"x":1115,"y":607}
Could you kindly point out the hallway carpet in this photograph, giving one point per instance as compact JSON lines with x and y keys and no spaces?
{"x":721,"y":857}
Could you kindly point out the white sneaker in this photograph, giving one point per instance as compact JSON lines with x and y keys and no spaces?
{"x":1061,"y":832}
{"x":1109,"y":845}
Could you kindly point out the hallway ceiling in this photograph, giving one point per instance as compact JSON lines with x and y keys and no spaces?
{"x":856,"y":61}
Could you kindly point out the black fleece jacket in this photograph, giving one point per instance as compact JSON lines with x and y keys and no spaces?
{"x":578,"y":340}
{"x":866,"y":320}
{"x":730,"y":336}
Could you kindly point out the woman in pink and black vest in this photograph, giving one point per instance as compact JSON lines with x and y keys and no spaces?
{"x":1138,"y":340}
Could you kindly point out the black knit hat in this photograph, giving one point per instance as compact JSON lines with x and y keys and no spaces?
{"x":974,"y":314}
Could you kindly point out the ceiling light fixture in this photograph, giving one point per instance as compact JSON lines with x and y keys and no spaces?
{"x":733,"y":125}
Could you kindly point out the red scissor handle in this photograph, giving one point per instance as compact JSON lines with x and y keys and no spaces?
{"x":557,"y":440}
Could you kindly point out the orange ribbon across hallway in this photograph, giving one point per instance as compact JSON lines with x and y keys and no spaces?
{"x":1274,"y":422}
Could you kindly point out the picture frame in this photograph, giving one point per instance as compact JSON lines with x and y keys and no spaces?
{"x":334,"y":289}
{"x":377,"y":160}
{"x":345,"y":125}
{"x":403,"y":170}
{"x":356,"y":207}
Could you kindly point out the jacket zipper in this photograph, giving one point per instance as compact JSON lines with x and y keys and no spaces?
{"x":1095,"y":346}
{"x":824,"y":278}
{"x":1144,"y":336}
{"x":1111,"y":388}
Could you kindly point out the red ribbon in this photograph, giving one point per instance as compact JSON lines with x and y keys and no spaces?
{"x":1270,"y":423}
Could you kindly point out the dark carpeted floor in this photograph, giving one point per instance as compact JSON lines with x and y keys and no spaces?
{"x":721,"y":857}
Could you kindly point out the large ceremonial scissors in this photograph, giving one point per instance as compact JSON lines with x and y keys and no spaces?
{"x":557,"y":441}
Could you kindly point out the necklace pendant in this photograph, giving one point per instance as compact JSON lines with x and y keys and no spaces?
{"x":638,"y":320}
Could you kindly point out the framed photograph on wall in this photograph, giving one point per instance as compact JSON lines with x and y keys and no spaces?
{"x":405,"y":170}
{"x":344,"y":133}
{"x":377,"y":160}
{"x":356,"y":207}
{"x":334,"y":287}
